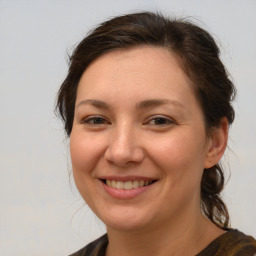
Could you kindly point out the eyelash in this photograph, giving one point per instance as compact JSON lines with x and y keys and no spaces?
{"x":168,"y":121}
{"x":91,"y":121}
{"x":94,"y":118}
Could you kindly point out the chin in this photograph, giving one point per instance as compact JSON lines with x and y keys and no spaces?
{"x":126,"y":220}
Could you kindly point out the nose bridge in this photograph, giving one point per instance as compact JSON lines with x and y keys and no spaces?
{"x":124,"y":146}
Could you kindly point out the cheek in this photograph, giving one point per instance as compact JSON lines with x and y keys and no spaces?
{"x":86,"y":151}
{"x":177,"y":147}
{"x":180,"y":157}
{"x":181,"y":162}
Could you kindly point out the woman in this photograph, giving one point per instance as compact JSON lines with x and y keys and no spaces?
{"x":147,"y":106}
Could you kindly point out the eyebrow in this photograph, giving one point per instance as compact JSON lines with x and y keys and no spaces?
{"x":96,"y":103}
{"x":141,"y":105}
{"x":157,"y":102}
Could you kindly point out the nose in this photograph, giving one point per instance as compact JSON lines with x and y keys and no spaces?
{"x":124,"y":147}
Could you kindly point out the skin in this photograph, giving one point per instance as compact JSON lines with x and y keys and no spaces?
{"x":115,"y":133}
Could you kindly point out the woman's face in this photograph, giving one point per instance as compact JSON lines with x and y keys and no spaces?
{"x":138,"y":144}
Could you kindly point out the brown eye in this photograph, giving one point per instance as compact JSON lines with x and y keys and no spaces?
{"x":160,"y":121}
{"x":95,"y":120}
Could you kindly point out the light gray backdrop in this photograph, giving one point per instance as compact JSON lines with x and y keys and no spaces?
{"x":40,"y":212}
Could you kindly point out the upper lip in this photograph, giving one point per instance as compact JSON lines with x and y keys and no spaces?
{"x":126,"y":178}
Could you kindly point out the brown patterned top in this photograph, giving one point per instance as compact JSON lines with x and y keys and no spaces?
{"x":231,"y":243}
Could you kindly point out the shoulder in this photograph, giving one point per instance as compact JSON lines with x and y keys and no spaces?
{"x":232,"y":243}
{"x":95,"y":248}
{"x":237,"y":243}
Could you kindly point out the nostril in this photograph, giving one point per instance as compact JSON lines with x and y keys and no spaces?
{"x":124,"y":153}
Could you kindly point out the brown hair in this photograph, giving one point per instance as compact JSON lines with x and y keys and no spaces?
{"x":200,"y":60}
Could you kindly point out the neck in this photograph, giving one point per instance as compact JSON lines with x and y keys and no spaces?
{"x":164,"y":240}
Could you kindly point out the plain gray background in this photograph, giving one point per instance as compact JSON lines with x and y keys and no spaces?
{"x":41,"y":212}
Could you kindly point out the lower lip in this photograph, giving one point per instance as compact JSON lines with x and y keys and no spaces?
{"x":126,"y":193}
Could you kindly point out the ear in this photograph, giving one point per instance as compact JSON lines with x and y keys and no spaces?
{"x":217,"y":144}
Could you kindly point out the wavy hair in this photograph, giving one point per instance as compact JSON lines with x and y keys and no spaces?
{"x":200,"y":58}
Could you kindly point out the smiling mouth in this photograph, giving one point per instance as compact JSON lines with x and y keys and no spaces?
{"x":128,"y":185}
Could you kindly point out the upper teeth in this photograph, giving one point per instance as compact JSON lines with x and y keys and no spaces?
{"x":127,"y":184}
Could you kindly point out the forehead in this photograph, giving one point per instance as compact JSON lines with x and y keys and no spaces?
{"x":145,"y":71}
{"x":141,"y":58}
{"x":137,"y":64}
